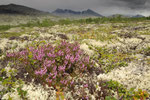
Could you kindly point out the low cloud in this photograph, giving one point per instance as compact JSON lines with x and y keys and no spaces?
{"x":105,"y":7}
{"x":134,"y":4}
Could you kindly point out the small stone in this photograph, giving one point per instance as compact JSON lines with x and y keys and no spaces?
{"x":25,"y":38}
{"x":63,"y":36}
{"x":14,"y":38}
{"x":1,"y":51}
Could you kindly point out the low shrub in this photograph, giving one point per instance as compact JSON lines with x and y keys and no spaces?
{"x":110,"y":59}
{"x":9,"y":83}
{"x":4,"y":27}
{"x":122,"y":93}
{"x":53,"y":65}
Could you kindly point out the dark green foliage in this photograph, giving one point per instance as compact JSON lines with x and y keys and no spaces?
{"x":5,"y":27}
{"x":109,"y":60}
{"x":10,"y":82}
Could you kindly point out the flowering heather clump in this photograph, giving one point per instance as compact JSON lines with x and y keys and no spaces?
{"x":54,"y":65}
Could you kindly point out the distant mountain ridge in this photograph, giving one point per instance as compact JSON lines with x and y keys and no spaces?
{"x":125,"y":16}
{"x":19,"y":9}
{"x":137,"y":16}
{"x":68,"y":12}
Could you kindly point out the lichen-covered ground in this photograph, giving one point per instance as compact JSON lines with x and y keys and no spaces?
{"x":120,"y":51}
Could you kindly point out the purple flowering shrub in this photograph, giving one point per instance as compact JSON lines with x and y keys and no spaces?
{"x":54,"y":65}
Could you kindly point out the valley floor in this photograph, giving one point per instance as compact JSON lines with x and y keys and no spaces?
{"x":120,"y":52}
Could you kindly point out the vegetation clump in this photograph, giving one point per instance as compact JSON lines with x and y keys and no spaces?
{"x":53,"y":65}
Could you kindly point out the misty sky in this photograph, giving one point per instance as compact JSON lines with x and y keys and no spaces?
{"x":105,"y":7}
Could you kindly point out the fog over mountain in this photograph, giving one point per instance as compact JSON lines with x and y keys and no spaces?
{"x":104,"y":7}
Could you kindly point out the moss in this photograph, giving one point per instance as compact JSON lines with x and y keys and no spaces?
{"x":8,"y":35}
{"x":110,"y":59}
{"x":4,"y":27}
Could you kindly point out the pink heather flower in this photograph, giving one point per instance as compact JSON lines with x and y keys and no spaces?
{"x":76,"y":58}
{"x":72,"y":59}
{"x":67,"y":50}
{"x":26,"y":62}
{"x":49,"y":80}
{"x":65,"y":82}
{"x":87,"y":59}
{"x":41,"y":72}
{"x":62,"y":81}
{"x":69,"y":66}
{"x":34,"y":56}
{"x":10,"y":54}
{"x":45,"y":62}
{"x":49,"y":63}
{"x":60,"y":53}
{"x":37,"y":72}
{"x":32,"y":49}
{"x":40,"y":56}
{"x":63,"y":43}
{"x":62,"y":68}
{"x":55,"y":74}
{"x":79,"y":51}
{"x":85,"y":68}
{"x":54,"y":68}
{"x":35,"y":51}
{"x":83,"y":65}
{"x":67,"y":57}
{"x":51,"y":55}
{"x":65,"y":62}
{"x":53,"y":61}
{"x":72,"y":82}
{"x":87,"y":98}
{"x":75,"y":48}
{"x":86,"y":85}
{"x":50,"y":74}
{"x":22,"y":53}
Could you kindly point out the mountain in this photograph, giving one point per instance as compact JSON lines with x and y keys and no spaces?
{"x":119,"y":15}
{"x":19,"y":9}
{"x":70,"y":13}
{"x":126,"y":16}
{"x":138,"y":16}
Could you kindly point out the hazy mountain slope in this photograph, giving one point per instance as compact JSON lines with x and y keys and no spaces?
{"x":19,"y":9}
{"x":69,"y":13}
{"x":138,"y":16}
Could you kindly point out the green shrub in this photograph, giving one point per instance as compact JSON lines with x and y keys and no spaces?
{"x":9,"y":82}
{"x":5,"y":27}
{"x":108,"y":60}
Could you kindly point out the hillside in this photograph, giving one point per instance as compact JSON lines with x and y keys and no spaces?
{"x":19,"y":9}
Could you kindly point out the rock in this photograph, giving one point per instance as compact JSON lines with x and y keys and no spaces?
{"x":25,"y":38}
{"x":1,"y":51}
{"x":127,"y":35}
{"x":63,"y":36}
{"x":14,"y":38}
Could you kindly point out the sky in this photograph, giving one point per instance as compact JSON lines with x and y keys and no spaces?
{"x":104,"y":7}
